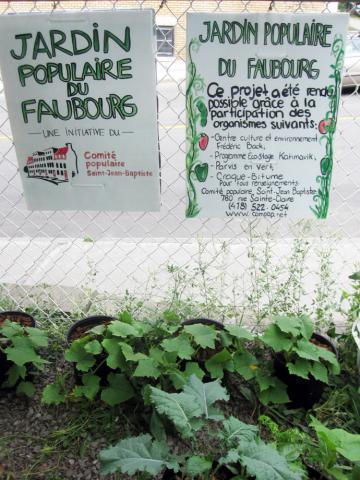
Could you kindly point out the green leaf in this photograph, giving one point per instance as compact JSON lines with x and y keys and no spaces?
{"x":287,"y":324}
{"x":225,"y":339}
{"x":20,"y":354}
{"x":264,"y":381}
{"x":147,"y":368}
{"x":307,"y":350}
{"x":37,"y":337}
{"x":115,"y":357}
{"x":193,"y":368}
{"x":319,"y":371}
{"x":143,"y":328}
{"x":177,"y":377}
{"x":180,"y":408}
{"x":274,"y":395}
{"x":158,"y":354}
{"x":196,"y":465}
{"x":121,"y":329}
{"x":137,"y":454}
{"x":328,"y":356}
{"x":13,"y":374}
{"x":276,"y":339}
{"x":53,"y":395}
{"x":94,"y":347}
{"x":181,"y":345}
{"x":272,"y":390}
{"x":301,"y":368}
{"x":219,"y":362}
{"x":355,"y":474}
{"x":171,"y":317}
{"x":334,"y":368}
{"x":157,"y":428}
{"x":90,"y":387}
{"x":26,"y":388}
{"x":235,"y":431}
{"x":98,"y":330}
{"x":239,"y":332}
{"x":76,"y":353}
{"x":295,"y":326}
{"x":355,"y":276}
{"x":118,"y":391}
{"x":232,"y":456}
{"x":129,"y":353}
{"x":206,"y":394}
{"x":245,"y":364}
{"x":264,"y":462}
{"x":306,"y":327}
{"x":345,"y":443}
{"x":203,"y":335}
{"x":125,"y":317}
{"x":10,"y":329}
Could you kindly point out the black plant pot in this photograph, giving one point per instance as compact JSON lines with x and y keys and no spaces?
{"x":78,"y":330}
{"x":169,"y":475}
{"x":314,"y":474}
{"x":18,"y":317}
{"x":222,"y":473}
{"x":303,"y":393}
{"x":82,"y":326}
{"x":204,"y":321}
{"x":27,"y":321}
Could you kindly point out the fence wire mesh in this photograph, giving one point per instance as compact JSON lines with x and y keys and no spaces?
{"x":101,"y":261}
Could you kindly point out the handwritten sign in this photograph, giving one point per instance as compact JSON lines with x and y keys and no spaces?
{"x":81,"y":94}
{"x":262,"y":101}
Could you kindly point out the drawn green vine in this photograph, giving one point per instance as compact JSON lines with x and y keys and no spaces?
{"x":327,"y":127}
{"x":196,"y":113}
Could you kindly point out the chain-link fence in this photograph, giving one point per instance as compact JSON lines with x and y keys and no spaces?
{"x":101,"y":261}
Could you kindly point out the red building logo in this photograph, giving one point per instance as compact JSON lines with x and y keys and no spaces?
{"x":55,"y":165}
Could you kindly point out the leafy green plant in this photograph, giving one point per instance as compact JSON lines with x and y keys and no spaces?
{"x":190,"y":409}
{"x":243,"y":453}
{"x":210,"y":353}
{"x":352,"y":299}
{"x":134,"y":353}
{"x":339,"y":451}
{"x":292,"y":443}
{"x":341,"y":409}
{"x":104,"y":359}
{"x":138,"y":454}
{"x":55,"y":393}
{"x":20,"y":345}
{"x":292,"y":337}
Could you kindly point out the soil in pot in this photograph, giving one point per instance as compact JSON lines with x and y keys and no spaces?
{"x":81,"y":327}
{"x":18,"y":317}
{"x":23,"y":319}
{"x":302,"y":393}
{"x":78,"y":330}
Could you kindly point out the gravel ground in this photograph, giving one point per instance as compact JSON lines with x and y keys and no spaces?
{"x":57,"y":442}
{"x":39,"y":442}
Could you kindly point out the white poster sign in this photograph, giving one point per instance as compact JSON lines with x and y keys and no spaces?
{"x":262,"y":101}
{"x":81,"y":94}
